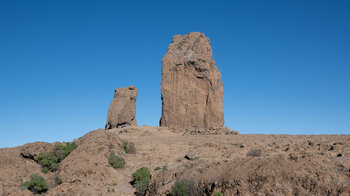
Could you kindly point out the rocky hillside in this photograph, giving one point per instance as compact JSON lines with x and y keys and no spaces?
{"x":200,"y":164}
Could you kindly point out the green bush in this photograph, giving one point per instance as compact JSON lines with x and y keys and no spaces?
{"x":62,"y":152}
{"x":116,"y":161}
{"x":49,"y":161}
{"x":218,"y":194}
{"x":179,"y":188}
{"x":129,"y":147}
{"x":141,"y":180}
{"x":37,"y":184}
{"x":58,"y":180}
{"x":44,"y":170}
{"x":164,"y":168}
{"x":142,"y":186}
{"x":157,"y":168}
{"x":183,"y":188}
{"x":142,"y":173}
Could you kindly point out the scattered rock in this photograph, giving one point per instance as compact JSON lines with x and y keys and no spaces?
{"x":226,"y":130}
{"x":234,"y":132}
{"x":192,"y":155}
{"x":254,"y":152}
{"x":202,"y":131}
{"x":311,"y":143}
{"x":293,"y":156}
{"x":122,"y":111}
{"x":191,"y":88}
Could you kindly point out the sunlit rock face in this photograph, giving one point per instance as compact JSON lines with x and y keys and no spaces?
{"x":122,"y":111}
{"x":191,"y":87}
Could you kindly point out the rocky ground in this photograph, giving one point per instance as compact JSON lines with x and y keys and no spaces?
{"x":229,"y":164}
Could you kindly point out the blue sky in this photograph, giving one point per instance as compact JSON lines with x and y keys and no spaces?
{"x":285,"y":64}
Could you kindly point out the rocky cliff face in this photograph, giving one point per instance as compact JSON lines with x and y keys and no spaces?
{"x":122,"y":111}
{"x":191,"y":88}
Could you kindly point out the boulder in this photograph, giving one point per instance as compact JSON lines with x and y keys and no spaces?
{"x":122,"y":111}
{"x":30,"y":150}
{"x":191,"y":87}
{"x":192,"y":155}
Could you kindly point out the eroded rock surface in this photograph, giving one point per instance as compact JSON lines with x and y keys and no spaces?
{"x":191,"y":88}
{"x":122,"y":111}
{"x":287,"y":165}
{"x":30,"y":150}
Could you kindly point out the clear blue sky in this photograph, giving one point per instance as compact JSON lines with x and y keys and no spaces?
{"x":285,"y":64}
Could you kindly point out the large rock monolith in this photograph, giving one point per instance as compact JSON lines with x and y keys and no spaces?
{"x":191,"y":87}
{"x":122,"y":111}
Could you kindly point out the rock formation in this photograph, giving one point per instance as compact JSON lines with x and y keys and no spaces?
{"x":191,"y":88}
{"x":122,"y":111}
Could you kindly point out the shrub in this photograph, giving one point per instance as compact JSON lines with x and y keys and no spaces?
{"x":142,"y":173}
{"x":129,"y":147}
{"x":254,"y":153}
{"x":44,"y":170}
{"x":37,"y":184}
{"x":157,"y":168}
{"x":183,"y":188}
{"x":141,"y":180}
{"x":49,"y":161}
{"x":58,"y":180}
{"x":179,"y":188}
{"x":165,"y":168}
{"x":116,"y":161}
{"x":62,"y":152}
{"x":142,"y":186}
{"x":218,"y":194}
{"x":125,"y":146}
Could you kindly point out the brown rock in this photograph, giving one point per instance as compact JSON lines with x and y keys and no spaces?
{"x":122,"y":111}
{"x":32,"y":149}
{"x":191,"y":87}
{"x":222,"y":164}
{"x":191,"y":155}
{"x":87,"y":168}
